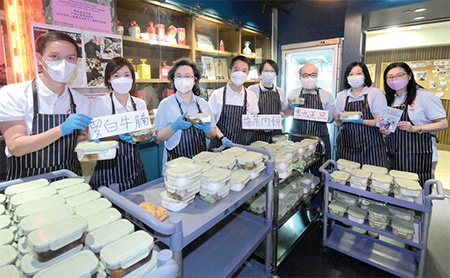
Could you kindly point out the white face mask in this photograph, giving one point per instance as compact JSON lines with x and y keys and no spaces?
{"x":356,"y":81}
{"x":238,"y":77}
{"x":60,"y":71}
{"x":308,"y":83}
{"x":122,"y":85}
{"x":184,"y":85}
{"x":268,"y":77}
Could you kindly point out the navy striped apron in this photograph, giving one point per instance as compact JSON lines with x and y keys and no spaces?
{"x":361,"y":143}
{"x":56,"y":156}
{"x":313,"y":128}
{"x":410,"y":151}
{"x":269,"y":103}
{"x":126,"y":169}
{"x":192,"y":140}
{"x":230,"y":122}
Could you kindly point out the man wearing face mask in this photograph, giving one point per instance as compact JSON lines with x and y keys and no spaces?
{"x":314,"y":98}
{"x":229,"y":103}
{"x":271,"y":99}
{"x":43,"y":120}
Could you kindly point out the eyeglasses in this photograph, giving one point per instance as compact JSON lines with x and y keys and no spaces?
{"x":397,"y":76}
{"x":187,"y":76}
{"x":312,"y":75}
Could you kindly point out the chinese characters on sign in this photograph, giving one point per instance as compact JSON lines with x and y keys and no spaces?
{"x":111,"y":125}
{"x":311,"y":114}
{"x":262,"y":122}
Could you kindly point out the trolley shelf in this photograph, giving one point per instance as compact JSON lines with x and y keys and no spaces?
{"x":390,"y":258}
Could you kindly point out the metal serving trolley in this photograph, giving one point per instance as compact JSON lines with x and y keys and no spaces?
{"x":381,"y":254}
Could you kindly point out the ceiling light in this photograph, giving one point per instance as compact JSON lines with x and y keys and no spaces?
{"x":407,"y":12}
{"x":419,"y":18}
{"x":419,"y":10}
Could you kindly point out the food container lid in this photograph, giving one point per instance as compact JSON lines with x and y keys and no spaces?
{"x":187,"y":171}
{"x":280,"y":137}
{"x":44,"y":218}
{"x":219,"y":192}
{"x":93,"y":207}
{"x":394,"y":210}
{"x":349,"y":113}
{"x":152,"y":128}
{"x":2,"y":209}
{"x":8,"y":255}
{"x":10,"y":271}
{"x":382,"y":178}
{"x":290,"y":149}
{"x":249,"y":157}
{"x":403,"y":225}
{"x":93,"y":147}
{"x":240,"y":176}
{"x":102,"y":218}
{"x":258,"y":144}
{"x":283,"y":159}
{"x":271,"y":147}
{"x":32,"y":195}
{"x":310,"y":141}
{"x":216,"y":175}
{"x":404,"y":175}
{"x":301,"y":144}
{"x":204,"y":156}
{"x":105,"y":235}
{"x":82,"y":198}
{"x":82,"y":264}
{"x":284,"y":143}
{"x":6,"y":236}
{"x":2,"y":198}
{"x":360,"y":173}
{"x":338,"y":205}
{"x":356,"y":211}
{"x":5,"y":221}
{"x":66,"y":182}
{"x":342,"y":196}
{"x":375,"y":169}
{"x":347,"y":163}
{"x":25,"y":186}
{"x":234,"y":151}
{"x":191,"y":187}
{"x":58,"y":234}
{"x":408,"y":184}
{"x":205,"y":117}
{"x":223,"y":161}
{"x":38,"y":205}
{"x":127,"y":251}
{"x":378,"y":209}
{"x":74,"y":190}
{"x":167,"y":199}
{"x":205,"y":166}
{"x":178,"y":161}
{"x":340,"y":175}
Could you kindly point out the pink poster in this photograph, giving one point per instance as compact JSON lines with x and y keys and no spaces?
{"x":82,"y":15}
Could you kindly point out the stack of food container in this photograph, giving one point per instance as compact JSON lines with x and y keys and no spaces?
{"x":251,"y":162}
{"x":303,"y":150}
{"x":407,"y":186}
{"x":381,"y":184}
{"x":402,"y":221}
{"x":239,"y":179}
{"x":337,"y":208}
{"x":224,"y":162}
{"x":359,"y":178}
{"x":356,"y":214}
{"x":283,"y":164}
{"x":347,"y":165}
{"x":215,"y":184}
{"x":202,"y":159}
{"x":312,"y":145}
{"x":378,"y":217}
{"x":340,"y":177}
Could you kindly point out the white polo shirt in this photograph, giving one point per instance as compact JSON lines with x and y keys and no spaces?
{"x":16,"y":103}
{"x":232,"y":98}
{"x":102,"y":106}
{"x":256,"y":87}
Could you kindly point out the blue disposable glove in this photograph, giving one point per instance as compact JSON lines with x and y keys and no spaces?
{"x":268,"y":130}
{"x":153,"y":138}
{"x":75,"y":121}
{"x":95,"y":140}
{"x":180,"y":123}
{"x":359,"y":121}
{"x":205,"y":127}
{"x":339,"y":114}
{"x":127,"y":138}
{"x":330,"y":118}
{"x":226,"y":140}
{"x":292,"y":106}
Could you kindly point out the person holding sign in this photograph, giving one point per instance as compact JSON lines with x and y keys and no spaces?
{"x":126,"y":169}
{"x":271,"y":99}
{"x":229,"y":103}
{"x":43,"y":120}
{"x":412,"y":147}
{"x":358,"y":139}
{"x":312,"y":97}
{"x":181,"y":137}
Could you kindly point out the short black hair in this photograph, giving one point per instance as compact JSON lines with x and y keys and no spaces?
{"x":195,"y":68}
{"x":113,"y":66}
{"x":240,"y":58}
{"x":411,"y":88}
{"x":53,"y":36}
{"x":272,"y":63}
{"x":367,"y":80}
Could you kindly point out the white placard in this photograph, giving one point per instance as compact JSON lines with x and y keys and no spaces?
{"x":111,"y":125}
{"x":262,"y":122}
{"x":311,"y":114}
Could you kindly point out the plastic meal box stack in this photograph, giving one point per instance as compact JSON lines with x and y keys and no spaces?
{"x":91,"y":151}
{"x":283,"y":164}
{"x":63,"y":233}
{"x":406,"y":186}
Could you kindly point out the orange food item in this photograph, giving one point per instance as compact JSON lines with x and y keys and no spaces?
{"x":157,"y":211}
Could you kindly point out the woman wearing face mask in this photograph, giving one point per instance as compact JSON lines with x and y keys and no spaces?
{"x":271,"y":99}
{"x":412,"y":147}
{"x":229,"y":103}
{"x":43,"y":120}
{"x":182,"y":138}
{"x":359,"y":140}
{"x":126,"y":169}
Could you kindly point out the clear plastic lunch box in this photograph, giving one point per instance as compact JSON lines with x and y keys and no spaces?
{"x":374,"y":169}
{"x":282,"y":162}
{"x":356,"y":214}
{"x":284,"y":191}
{"x":258,"y":205}
{"x":215,"y":179}
{"x":303,"y":147}
{"x":282,"y":209}
{"x":183,"y":176}
{"x":350,"y":199}
{"x":378,"y":213}
{"x":379,"y":225}
{"x":93,"y":207}
{"x":254,"y":173}
{"x":32,"y":195}
{"x":92,"y":151}
{"x":182,"y":193}
{"x":102,"y":218}
{"x":143,"y":134}
{"x":74,"y":190}
{"x":402,"y":228}
{"x":60,"y":184}
{"x":5,"y":221}
{"x":10,"y":271}
{"x":205,"y":166}
{"x":362,"y":186}
{"x":365,"y":202}
{"x":36,"y":206}
{"x":8,"y":255}
{"x":310,"y":180}
{"x":404,"y":175}
{"x":146,"y":269}
{"x":408,"y":187}
{"x":100,"y":238}
{"x":234,"y":151}
{"x":272,"y":147}
{"x":24,"y":187}
{"x":283,"y":174}
{"x":379,"y":190}
{"x":337,"y":208}
{"x":280,"y":137}
{"x":340,"y":177}
{"x":177,"y":162}
{"x":214,"y":196}
{"x":381,"y":181}
{"x":223,"y":161}
{"x":83,"y":198}
{"x":204,"y":156}
{"x":44,"y":218}
{"x":350,"y":115}
{"x":249,"y":160}
{"x":258,"y":144}
{"x":174,"y":205}
{"x":400,"y":196}
{"x":360,"y":176}
{"x":402,"y":213}
{"x":199,"y":118}
{"x":347,"y":165}
{"x":82,"y":264}
{"x":312,"y":143}
{"x":6,"y":237}
{"x":239,"y":180}
{"x":290,"y":151}
{"x":284,"y":144}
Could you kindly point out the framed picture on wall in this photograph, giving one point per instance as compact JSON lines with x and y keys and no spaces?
{"x":208,"y":65}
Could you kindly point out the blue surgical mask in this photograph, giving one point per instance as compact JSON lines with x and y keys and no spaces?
{"x":268,"y":77}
